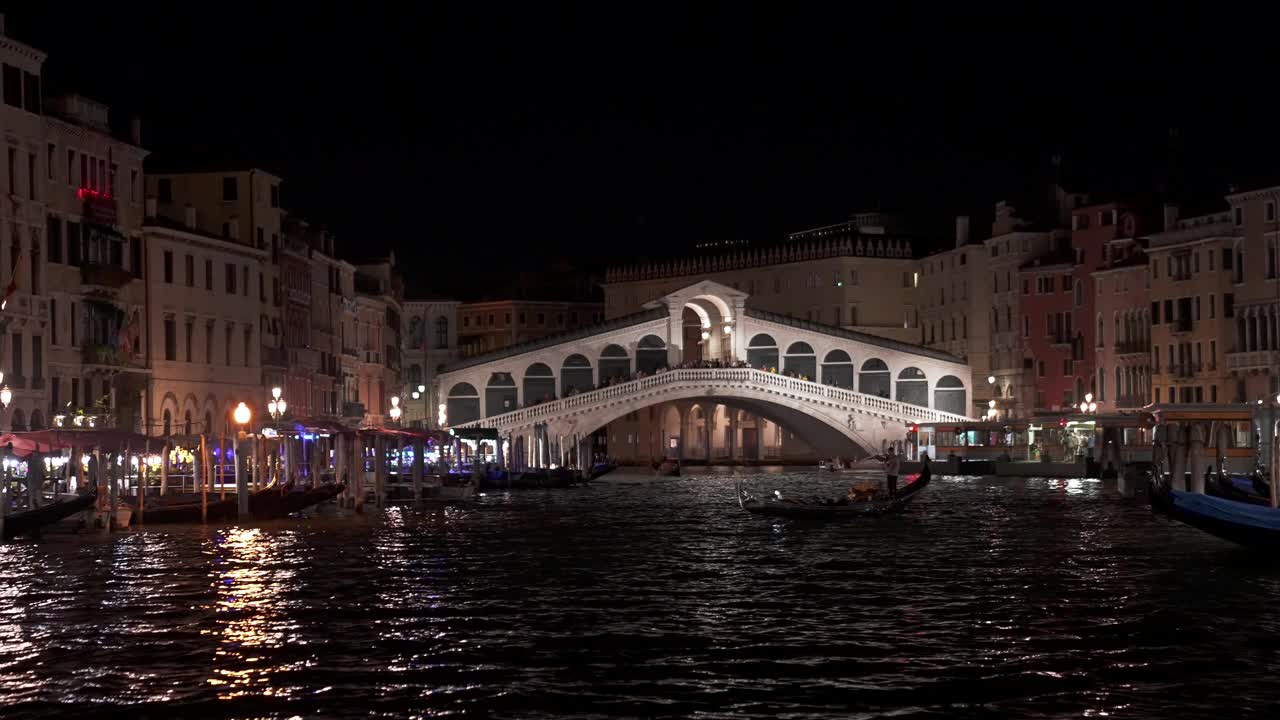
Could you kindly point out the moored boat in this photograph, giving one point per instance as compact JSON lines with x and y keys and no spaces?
{"x":1254,"y":526}
{"x":669,"y":468}
{"x":872,"y":505}
{"x":30,"y":521}
{"x":601,"y":469}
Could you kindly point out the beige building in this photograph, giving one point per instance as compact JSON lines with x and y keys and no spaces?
{"x":430,"y":341}
{"x":494,"y":324}
{"x":1254,"y":357}
{"x":204,"y":327}
{"x":379,"y":291}
{"x":1013,"y":242}
{"x":70,"y":229}
{"x":955,"y":308}
{"x":868,"y":284}
{"x":1122,"y":333}
{"x":1195,"y":274}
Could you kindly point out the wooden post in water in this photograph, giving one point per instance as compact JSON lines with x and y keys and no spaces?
{"x":357,"y":452}
{"x":400,"y":461}
{"x":4,"y":497}
{"x":220,"y":461}
{"x":419,"y":461}
{"x":164,"y":469}
{"x":35,"y":480}
{"x":142,"y":484}
{"x":198,"y":471}
{"x":242,"y":480}
{"x":340,"y":464}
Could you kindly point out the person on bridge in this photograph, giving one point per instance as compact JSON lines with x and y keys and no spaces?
{"x":891,"y":471}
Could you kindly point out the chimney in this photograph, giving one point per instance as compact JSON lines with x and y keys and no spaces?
{"x":1170,"y":215}
{"x":151,"y":207}
{"x":191,"y":217}
{"x":135,"y":130}
{"x":962,"y":230}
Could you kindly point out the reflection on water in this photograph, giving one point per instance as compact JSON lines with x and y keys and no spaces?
{"x":644,"y":596}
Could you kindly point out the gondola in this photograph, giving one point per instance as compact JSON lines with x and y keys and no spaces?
{"x":29,"y":521}
{"x":601,"y":469}
{"x":1245,"y":523}
{"x":669,"y":468}
{"x":824,"y":507}
{"x":264,"y":504}
{"x":289,"y":503}
{"x":1249,"y":489}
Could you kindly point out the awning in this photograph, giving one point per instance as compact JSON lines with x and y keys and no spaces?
{"x":24,"y":443}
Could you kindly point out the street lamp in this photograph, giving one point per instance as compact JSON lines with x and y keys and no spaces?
{"x":991,"y":379}
{"x":277,"y":406}
{"x":395,"y":409}
{"x":241,"y":415}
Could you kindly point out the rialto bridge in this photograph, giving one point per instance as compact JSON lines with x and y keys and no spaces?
{"x":845,"y":393}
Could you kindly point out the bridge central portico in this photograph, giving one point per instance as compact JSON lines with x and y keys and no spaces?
{"x":844,"y":392}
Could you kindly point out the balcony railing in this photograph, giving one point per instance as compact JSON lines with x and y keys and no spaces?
{"x":1185,"y":370}
{"x":1131,"y":348}
{"x":1181,"y":325}
{"x":103,"y":275}
{"x":275,"y":357}
{"x":352,"y":409}
{"x":94,"y":354}
{"x":1255,"y":359}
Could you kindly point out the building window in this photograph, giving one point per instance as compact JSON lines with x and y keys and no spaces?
{"x":189,"y":328}
{"x":208,"y":275}
{"x":248,"y":342}
{"x":168,"y":267}
{"x":170,"y":341}
{"x":1237,"y":215}
{"x":227,"y":345}
{"x":231,"y":278}
{"x":1026,"y":326}
{"x":1066,"y":367}
{"x":1228,"y":305}
{"x":53,"y":238}
{"x":1039,"y":368}
{"x":230,"y":190}
{"x":442,"y":332}
{"x":191,"y":270}
{"x":244,"y":285}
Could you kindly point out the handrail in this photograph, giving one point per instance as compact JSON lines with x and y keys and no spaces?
{"x":744,"y":376}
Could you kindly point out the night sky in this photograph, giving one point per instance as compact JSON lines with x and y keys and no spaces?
{"x":497,"y":137}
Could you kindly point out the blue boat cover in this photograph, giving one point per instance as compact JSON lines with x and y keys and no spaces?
{"x":1230,"y":511}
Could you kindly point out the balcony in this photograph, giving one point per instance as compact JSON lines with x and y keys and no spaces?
{"x":1130,"y":401}
{"x":1130,"y":348}
{"x":304,"y":359}
{"x":352,"y":410}
{"x":350,"y":352}
{"x":102,"y":275}
{"x":1184,"y":370}
{"x":105,"y":355}
{"x":1256,"y":360}
{"x":274,"y":357}
{"x":1180,"y":326}
{"x":1060,"y":340}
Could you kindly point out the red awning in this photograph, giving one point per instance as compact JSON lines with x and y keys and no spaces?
{"x":25,"y":443}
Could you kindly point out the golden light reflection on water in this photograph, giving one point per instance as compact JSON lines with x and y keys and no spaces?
{"x":252,"y":578}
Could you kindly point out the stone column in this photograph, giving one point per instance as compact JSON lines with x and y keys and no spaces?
{"x":706,"y":432}
{"x":733,"y":433}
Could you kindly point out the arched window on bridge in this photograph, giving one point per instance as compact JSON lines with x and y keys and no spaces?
{"x":913,"y":388}
{"x":762,"y":352}
{"x":949,"y":395}
{"x":539,"y":384}
{"x":651,"y":354}
{"x":873,"y":379}
{"x":615,"y":364}
{"x":837,"y":369}
{"x":800,"y":361}
{"x":500,"y":394}
{"x":576,"y":375}
{"x":463,"y":404}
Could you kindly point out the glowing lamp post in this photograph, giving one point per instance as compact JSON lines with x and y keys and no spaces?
{"x":241,"y":415}
{"x":1088,"y":406}
{"x":277,"y":406}
{"x":395,"y":411}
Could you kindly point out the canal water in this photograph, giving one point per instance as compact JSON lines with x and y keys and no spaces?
{"x":644,"y":597}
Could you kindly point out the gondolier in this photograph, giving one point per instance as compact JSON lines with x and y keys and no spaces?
{"x":891,"y":471}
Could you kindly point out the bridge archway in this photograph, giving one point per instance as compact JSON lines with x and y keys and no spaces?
{"x":576,"y":375}
{"x":463,"y":404}
{"x":651,"y":354}
{"x":615,"y":364}
{"x":539,"y":384}
{"x":500,"y":394}
{"x":949,"y":395}
{"x":762,"y":351}
{"x":873,"y":378}
{"x":837,"y":369}
{"x":913,"y":387}
{"x":800,"y":361}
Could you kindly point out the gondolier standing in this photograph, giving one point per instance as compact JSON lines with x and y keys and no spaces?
{"x":891,"y":471}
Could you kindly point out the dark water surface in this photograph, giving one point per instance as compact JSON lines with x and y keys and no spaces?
{"x":642,"y":598}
